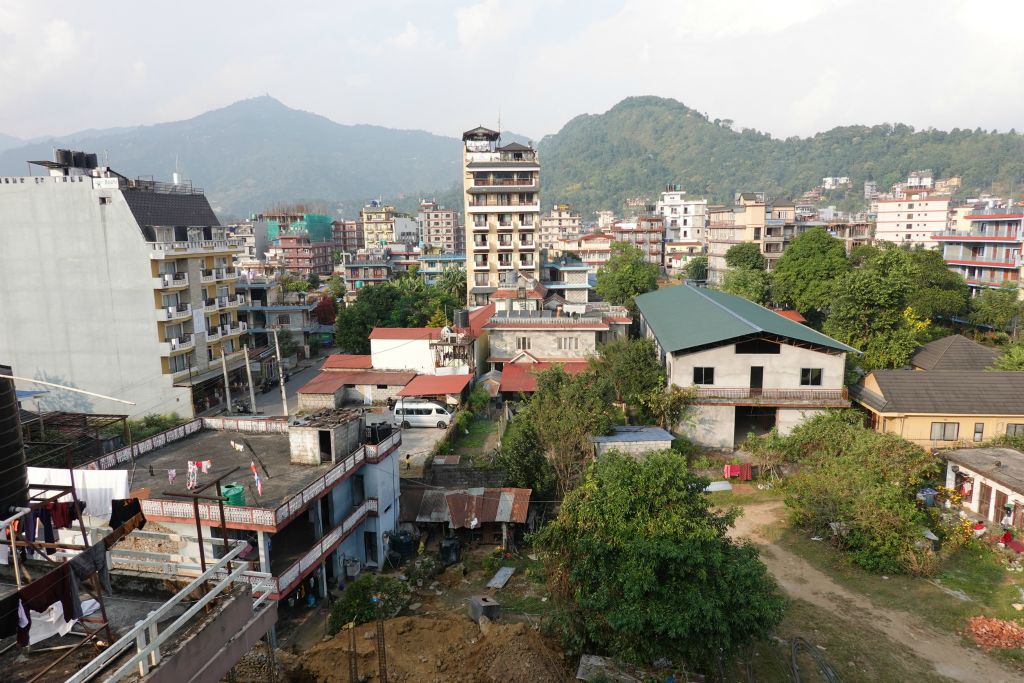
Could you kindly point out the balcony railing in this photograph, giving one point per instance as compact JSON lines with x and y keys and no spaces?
{"x":510,"y":202}
{"x":183,"y":342}
{"x":235,"y":329}
{"x":811,"y":396}
{"x":194,"y":246}
{"x":176,"y":312}
{"x":214,"y":333}
{"x":230,"y":274}
{"x":1006,"y":261}
{"x":207,"y":276}
{"x":977,"y":235}
{"x":171,"y":280}
{"x":501,"y":182}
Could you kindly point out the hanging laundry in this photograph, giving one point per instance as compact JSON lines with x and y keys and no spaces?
{"x":256,"y":476}
{"x":24,"y":624}
{"x":64,"y":514}
{"x":57,"y":586}
{"x":123,"y":511}
{"x":205,"y":466}
{"x":171,"y":476}
{"x":95,"y":488}
{"x":237,"y":446}
{"x":193,"y":475}
{"x":48,"y":624}
{"x":90,"y":561}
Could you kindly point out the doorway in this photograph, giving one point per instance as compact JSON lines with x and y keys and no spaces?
{"x":984,"y":500}
{"x":325,"y":445}
{"x":756,"y":379}
{"x":758,"y":420}
{"x":999,"y":509}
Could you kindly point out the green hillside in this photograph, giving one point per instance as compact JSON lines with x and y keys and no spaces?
{"x":596,"y":161}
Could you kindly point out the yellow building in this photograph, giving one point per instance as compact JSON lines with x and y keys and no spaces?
{"x":378,"y":224}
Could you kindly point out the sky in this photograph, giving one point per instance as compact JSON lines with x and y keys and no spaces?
{"x":787,"y":67}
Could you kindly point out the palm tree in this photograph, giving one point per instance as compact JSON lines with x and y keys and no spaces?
{"x":452,"y":281}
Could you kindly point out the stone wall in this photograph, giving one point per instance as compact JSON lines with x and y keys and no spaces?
{"x":454,"y":477}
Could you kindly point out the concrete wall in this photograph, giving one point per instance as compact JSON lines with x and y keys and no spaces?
{"x":711,"y":426}
{"x":382,"y":482}
{"x":305,"y":445}
{"x":402,"y":354}
{"x":787,"y":418}
{"x":369,"y":394}
{"x":320,"y":401}
{"x":454,"y":477}
{"x":76,"y":299}
{"x":781,"y":371}
{"x":918,"y":428}
{"x":543,"y":343}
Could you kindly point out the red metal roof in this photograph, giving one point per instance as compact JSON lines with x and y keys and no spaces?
{"x":326,"y":383}
{"x":479,"y":317}
{"x":487,"y":505}
{"x":522,"y":377}
{"x":435,"y":385}
{"x":330,"y":382}
{"x":345,"y":361}
{"x":431,"y":333}
{"x":792,"y":315}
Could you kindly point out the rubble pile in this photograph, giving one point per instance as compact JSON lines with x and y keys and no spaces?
{"x":989,"y":633}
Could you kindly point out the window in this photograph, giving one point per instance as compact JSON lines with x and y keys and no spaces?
{"x":757,"y":346}
{"x":1015,"y":430}
{"x":703,"y":375}
{"x":523,"y":343}
{"x":945,"y":431}
{"x":979,"y":431}
{"x":104,"y":200}
{"x":810,"y":377}
{"x":284,"y":320}
{"x":382,"y":386}
{"x":568,"y":343}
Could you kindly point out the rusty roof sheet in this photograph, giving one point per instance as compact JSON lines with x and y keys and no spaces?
{"x":487,"y":505}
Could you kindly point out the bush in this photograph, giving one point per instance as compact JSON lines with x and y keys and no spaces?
{"x":356,"y":603}
{"x":423,"y":570}
{"x":684,"y":447}
{"x":478,"y":399}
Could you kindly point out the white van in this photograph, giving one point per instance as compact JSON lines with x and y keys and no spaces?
{"x":421,"y":414}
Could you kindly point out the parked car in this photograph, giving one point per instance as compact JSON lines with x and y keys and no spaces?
{"x":421,"y":413}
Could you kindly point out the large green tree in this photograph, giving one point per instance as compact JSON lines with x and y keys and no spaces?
{"x":654,"y":574}
{"x":938,"y":291}
{"x":1012,"y":358}
{"x":750,"y":283}
{"x":805,"y":274}
{"x":996,"y":308}
{"x":565,"y":411}
{"x":746,"y":255}
{"x":522,"y":458}
{"x":632,"y":368}
{"x":452,"y":282}
{"x":871,"y":310}
{"x":626,"y":275}
{"x":697,"y":268}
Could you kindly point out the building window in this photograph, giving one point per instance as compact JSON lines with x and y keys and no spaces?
{"x":568,"y":343}
{"x":945,"y":431}
{"x":382,"y":386}
{"x":523,"y":343}
{"x":703,"y":375}
{"x":1015,"y":430}
{"x":810,"y":377}
{"x":979,"y":431}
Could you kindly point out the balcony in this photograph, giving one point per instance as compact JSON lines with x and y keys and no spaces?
{"x":747,"y":396}
{"x":989,"y":281}
{"x":232,"y":301}
{"x":234,"y":329}
{"x":176,"y":312}
{"x":170,"y":281}
{"x":211,"y":305}
{"x":207,"y":276}
{"x":179,"y":344}
{"x":229,"y":274}
{"x":480,"y":228}
{"x":978,"y":236}
{"x":973,"y":259}
{"x":504,"y":244}
{"x":164,"y":250}
{"x":480,"y":246}
{"x":504,"y":182}
{"x":215,"y":333}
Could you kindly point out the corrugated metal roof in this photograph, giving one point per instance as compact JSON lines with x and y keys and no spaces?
{"x":487,"y":505}
{"x":523,"y":376}
{"x":634,"y":433}
{"x":687,"y":317}
{"x":345,"y":361}
{"x":435,"y":385}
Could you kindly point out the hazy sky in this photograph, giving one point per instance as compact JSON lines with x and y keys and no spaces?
{"x":790,"y":67}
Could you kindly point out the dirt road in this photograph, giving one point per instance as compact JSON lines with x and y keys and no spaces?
{"x":947,"y":654}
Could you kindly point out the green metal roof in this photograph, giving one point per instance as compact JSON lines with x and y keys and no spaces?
{"x":687,"y":317}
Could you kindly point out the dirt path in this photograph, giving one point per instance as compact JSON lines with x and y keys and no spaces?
{"x":800,"y":580}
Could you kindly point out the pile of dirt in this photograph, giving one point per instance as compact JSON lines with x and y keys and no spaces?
{"x":989,"y":633}
{"x":435,"y":650}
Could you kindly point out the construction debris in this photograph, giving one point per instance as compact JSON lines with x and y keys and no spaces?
{"x":989,"y":633}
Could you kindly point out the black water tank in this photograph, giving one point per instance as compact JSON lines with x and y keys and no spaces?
{"x":65,"y":157}
{"x":79,"y":159}
{"x":91,"y":161}
{"x":462,"y":318}
{"x":13,"y":481}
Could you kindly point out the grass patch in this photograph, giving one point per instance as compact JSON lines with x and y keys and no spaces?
{"x":745,"y":496}
{"x":973,"y":572}
{"x":533,"y":605}
{"x":472,"y":447}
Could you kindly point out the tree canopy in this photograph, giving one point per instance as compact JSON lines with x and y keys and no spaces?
{"x":626,"y":275}
{"x":750,"y":283}
{"x":653,"y":575}
{"x":631,"y":367}
{"x":996,"y":308}
{"x":697,"y":268}
{"x":522,"y":458}
{"x":746,"y":255}
{"x":805,"y":274}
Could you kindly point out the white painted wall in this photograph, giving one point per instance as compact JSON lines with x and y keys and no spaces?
{"x":788,"y":418}
{"x":402,"y":354}
{"x":979,"y":479}
{"x":710,"y":426}
{"x":76,"y":299}
{"x":781,"y":371}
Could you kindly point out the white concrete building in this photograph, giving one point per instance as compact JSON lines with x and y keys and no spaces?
{"x":120,"y":287}
{"x":991,"y":481}
{"x":404,"y":348}
{"x":562,"y":223}
{"x":685,"y":219}
{"x":914,"y":219}
{"x":752,"y":368}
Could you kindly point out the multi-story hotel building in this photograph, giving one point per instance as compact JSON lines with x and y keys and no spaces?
{"x":501,"y":186}
{"x":378,"y":224}
{"x":769,"y":225}
{"x":647,"y":233}
{"x":562,"y":223}
{"x":439,"y":228}
{"x":120,"y":287}
{"x":913,"y":219}
{"x":348,"y":236}
{"x":685,"y":219}
{"x":988,"y":254}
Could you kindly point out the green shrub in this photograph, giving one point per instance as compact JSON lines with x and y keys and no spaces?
{"x":423,"y":570}
{"x":357,"y":604}
{"x":478,"y":399}
{"x":684,"y":447}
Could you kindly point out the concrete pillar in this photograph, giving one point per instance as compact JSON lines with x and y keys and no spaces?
{"x":263,"y":541}
{"x":318,"y":533}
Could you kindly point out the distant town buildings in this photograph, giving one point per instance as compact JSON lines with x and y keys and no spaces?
{"x":302,"y":256}
{"x":988,"y":252}
{"x":121,"y":287}
{"x":348,"y":236}
{"x":378,"y":221}
{"x":440,"y":228}
{"x":501,"y":189}
{"x":913,"y":219}
{"x":561,"y":223}
{"x":834,"y":182}
{"x":685,"y":219}
{"x":647,"y":233}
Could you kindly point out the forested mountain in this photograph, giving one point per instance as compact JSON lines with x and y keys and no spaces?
{"x":258,"y":152}
{"x":596,"y":161}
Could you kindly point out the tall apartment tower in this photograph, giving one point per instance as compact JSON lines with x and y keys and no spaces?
{"x":501,"y":186}
{"x":117,"y":286}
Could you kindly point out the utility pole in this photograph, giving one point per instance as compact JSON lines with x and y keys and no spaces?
{"x":248,"y":373}
{"x":227,"y":387}
{"x":280,"y":373}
